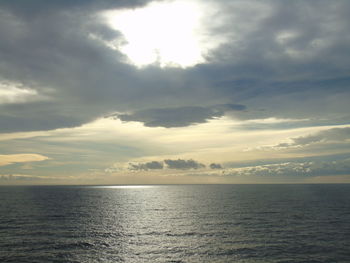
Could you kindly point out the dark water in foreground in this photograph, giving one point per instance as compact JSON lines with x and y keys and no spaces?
{"x":214,"y":223}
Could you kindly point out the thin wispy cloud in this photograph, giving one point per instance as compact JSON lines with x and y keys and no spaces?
{"x":21,"y":158}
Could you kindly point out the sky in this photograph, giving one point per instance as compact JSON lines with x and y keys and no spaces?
{"x":158,"y":92}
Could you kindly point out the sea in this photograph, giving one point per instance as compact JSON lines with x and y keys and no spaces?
{"x":175,"y":223}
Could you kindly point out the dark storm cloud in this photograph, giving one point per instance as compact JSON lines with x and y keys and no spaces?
{"x":36,"y":7}
{"x":46,"y":46}
{"x":179,"y":117}
{"x":286,"y":60}
{"x":183,"y":164}
{"x":281,"y":59}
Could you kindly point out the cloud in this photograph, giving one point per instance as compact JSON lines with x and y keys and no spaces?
{"x":183,"y":164}
{"x":14,"y":93}
{"x":21,"y":158}
{"x":17,"y":177}
{"x":280,"y":60}
{"x":39,"y":51}
{"x":334,"y":135}
{"x":154,"y":165}
{"x":39,"y":7}
{"x":215,"y":166}
{"x":314,"y":168}
{"x":331,"y":135}
{"x":177,"y":164}
{"x":179,"y":117}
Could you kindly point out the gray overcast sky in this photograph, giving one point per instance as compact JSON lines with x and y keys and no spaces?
{"x":95,"y":88}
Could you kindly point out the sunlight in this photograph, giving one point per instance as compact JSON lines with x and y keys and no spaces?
{"x":166,"y":33}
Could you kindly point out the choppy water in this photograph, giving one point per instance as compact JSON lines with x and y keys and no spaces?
{"x":191,"y":223}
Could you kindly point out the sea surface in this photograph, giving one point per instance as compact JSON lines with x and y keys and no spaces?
{"x":175,"y":223}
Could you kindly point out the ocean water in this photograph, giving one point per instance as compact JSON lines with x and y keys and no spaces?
{"x":175,"y":223}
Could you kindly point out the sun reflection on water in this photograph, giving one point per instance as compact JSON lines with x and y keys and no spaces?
{"x":124,"y":186}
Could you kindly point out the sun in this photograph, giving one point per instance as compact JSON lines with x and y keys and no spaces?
{"x":169,"y":33}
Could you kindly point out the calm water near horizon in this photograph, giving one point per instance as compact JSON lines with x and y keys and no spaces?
{"x":175,"y":223}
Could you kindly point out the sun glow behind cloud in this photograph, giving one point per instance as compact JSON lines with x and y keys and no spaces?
{"x":168,"y":33}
